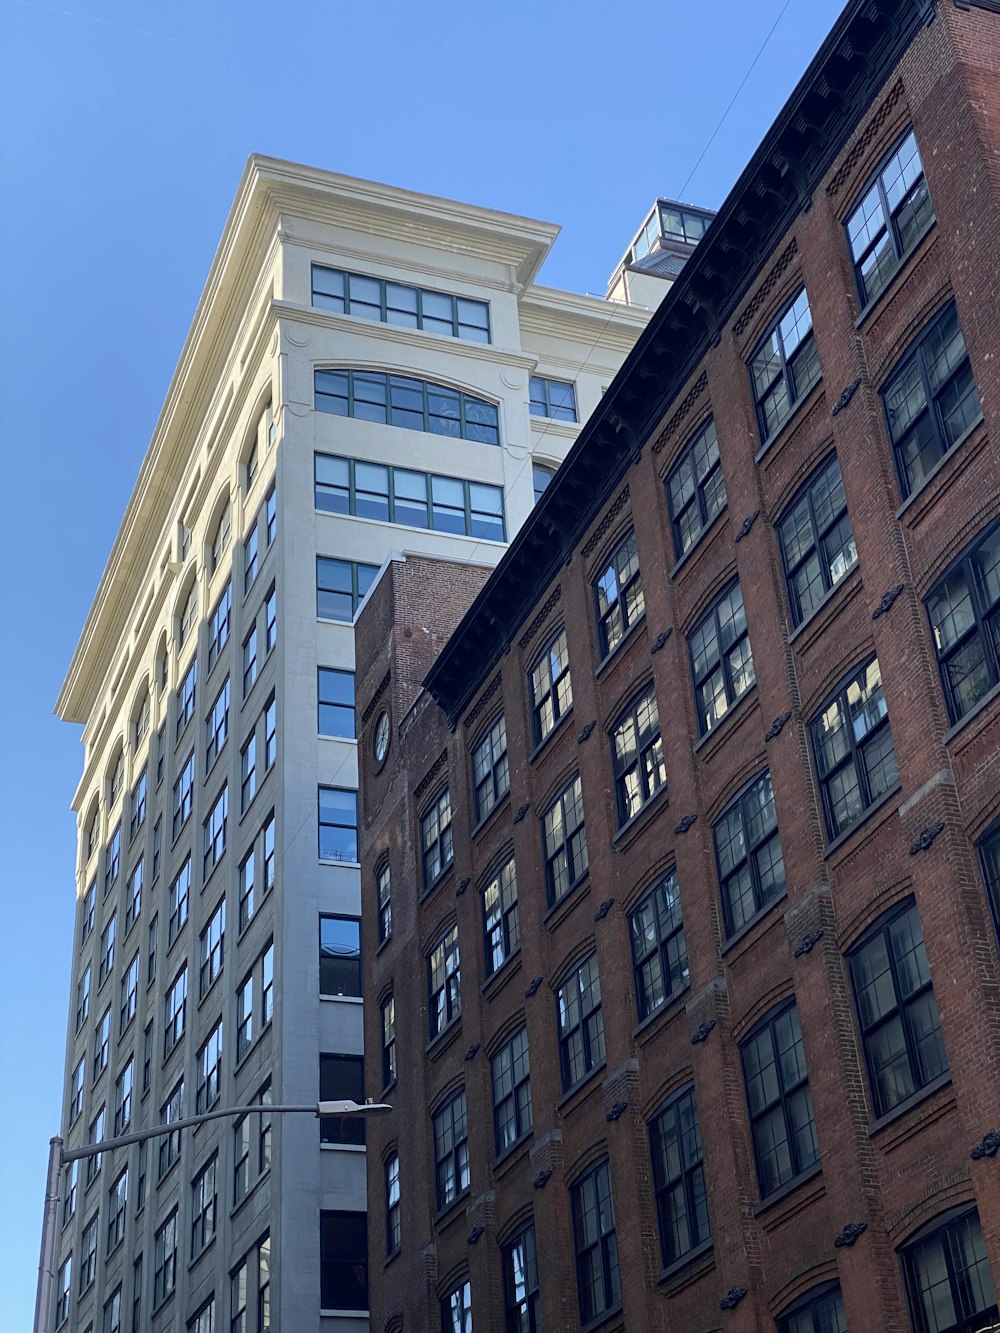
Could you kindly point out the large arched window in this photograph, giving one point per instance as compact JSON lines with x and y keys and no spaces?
{"x":400,"y":400}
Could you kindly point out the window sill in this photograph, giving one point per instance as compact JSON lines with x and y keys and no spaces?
{"x":875,"y":808}
{"x":661,"y":1016}
{"x":794,"y":416}
{"x":391,"y":1258}
{"x":817,"y":615}
{"x":342,"y":1147}
{"x":388,"y":1087}
{"x":515,"y":1153}
{"x":251,"y":1190}
{"x":789,"y":1187}
{"x":949,"y":454}
{"x":210,"y":1245}
{"x":440,"y":1042}
{"x":706,"y":744}
{"x":341,"y":999}
{"x":550,"y":735}
{"x":974,"y":712}
{"x":494,"y":810}
{"x":689,"y":1257}
{"x":211,"y":987}
{"x":163,"y":1304}
{"x":613,"y":1312}
{"x":618,"y":651}
{"x":909,"y":1103}
{"x":641,"y":817}
{"x":439,"y":879}
{"x":903,"y":266}
{"x":699,"y":543}
{"x":446,"y":1215}
{"x":498,"y":978}
{"x":755,"y":920}
{"x":344,"y":1314}
{"x":561,"y":909}
{"x":576,"y":1094}
{"x":333,"y":861}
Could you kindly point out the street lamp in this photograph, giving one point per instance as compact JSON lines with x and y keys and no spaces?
{"x":60,"y":1157}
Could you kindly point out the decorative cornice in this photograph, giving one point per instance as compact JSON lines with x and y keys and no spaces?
{"x":844,"y":171}
{"x":383,"y":686}
{"x":545,"y":610}
{"x":605,"y":524}
{"x":849,"y":1235}
{"x":430,"y":775}
{"x":926,"y":838}
{"x":766,"y":287}
{"x":687,"y":402}
{"x":483,"y":701}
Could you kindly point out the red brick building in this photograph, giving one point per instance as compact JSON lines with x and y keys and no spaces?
{"x":680,"y":855}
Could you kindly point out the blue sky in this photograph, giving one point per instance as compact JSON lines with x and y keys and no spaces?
{"x":124,"y":129}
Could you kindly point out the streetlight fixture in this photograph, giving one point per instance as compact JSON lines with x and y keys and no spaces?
{"x":60,"y":1157}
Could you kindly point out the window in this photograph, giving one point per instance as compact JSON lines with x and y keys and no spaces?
{"x":552,"y":398}
{"x":220,"y":540}
{"x":964,"y":611}
{"x":129,"y":996}
{"x":897,"y":1011}
{"x":189,"y":614}
{"x":212,"y":948}
{"x":161,"y":752}
{"x":581,"y":1023}
{"x":659,"y":951}
{"x":106,"y":952}
{"x":490,"y":773}
{"x":395,"y":303}
{"x":244,"y":1018}
{"x":785,"y":366}
{"x":270,"y":734}
{"x":93,"y":835}
{"x":123,"y":1097}
{"x":456,"y":1309}
{"x":989,"y":856}
{"x":133,"y":895}
{"x":117,"y":780}
{"x":596,"y":1245}
{"x":777,"y":1087}
{"x":204,"y":1206}
{"x":204,"y":1320}
{"x":112,"y":860}
{"x":392,"y":1208}
{"x":852,"y":743}
{"x":271,"y":516}
{"x":565,"y":842}
{"x":619,"y":597}
{"x":184,"y":795}
{"x":637,"y":756}
{"x":88,"y":909}
{"x":893,"y":214}
{"x":696,"y":491}
{"x":247,"y":895}
{"x":384,"y":895}
{"x":400,"y":400}
{"x":817,"y":544}
{"x":214,"y":833}
{"x":83,"y":999}
{"x":340,"y":956}
{"x":343,"y":1260}
{"x":88,"y":1254}
{"x":519,"y":1258}
{"x":248,"y":772}
{"x":541,"y":475}
{"x":335,"y":691}
{"x":436,"y":845}
{"x":180,"y":892}
{"x":340,"y":587}
{"x":679,"y":1178}
{"x":138,"y":806}
{"x":170,"y":1144}
{"x":388,"y":1009}
{"x":117,"y":1200}
{"x":445,"y":982}
{"x":551,"y":688}
{"x":721,"y":661}
{"x":268,"y":849}
{"x":451,"y":1150}
{"x":76,"y":1090}
{"x":175,"y":1013}
{"x":217,"y":726}
{"x":102,"y":1043}
{"x":501,"y":928}
{"x":748,"y":854}
{"x":147,"y":1056}
{"x":931,"y":400}
{"x":96,"y":1134}
{"x":511,"y":1078}
{"x":267,"y":986}
{"x":249,"y":661}
{"x":241,"y":1159}
{"x":338,"y":824}
{"x":819,"y":1311}
{"x":219,"y":625}
{"x":140,"y":1199}
{"x":64,"y":1290}
{"x":270,"y":621}
{"x":264,"y":1285}
{"x":157,"y":847}
{"x":185,"y":697}
{"x":342,"y":1078}
{"x":251,"y":562}
{"x":137,"y":1295}
{"x":414,"y":499}
{"x":140,"y":723}
{"x":165,"y":1260}
{"x":71,"y":1181}
{"x":948,"y":1281}
{"x":209,"y":1071}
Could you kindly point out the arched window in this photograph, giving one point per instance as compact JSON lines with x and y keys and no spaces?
{"x":400,"y":400}
{"x":221,"y":535}
{"x":188,"y":614}
{"x":93,"y":835}
{"x":140,"y":719}
{"x":261,"y":439}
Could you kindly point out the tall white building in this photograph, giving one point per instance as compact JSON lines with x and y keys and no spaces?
{"x":368,"y":369}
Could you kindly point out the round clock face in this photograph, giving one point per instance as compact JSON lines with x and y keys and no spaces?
{"x":381,"y":743}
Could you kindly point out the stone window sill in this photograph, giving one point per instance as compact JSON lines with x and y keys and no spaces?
{"x":618,"y":650}
{"x":789,"y":1187}
{"x":908,"y":1103}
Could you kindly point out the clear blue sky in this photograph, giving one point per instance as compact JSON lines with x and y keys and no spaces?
{"x":124,"y":128}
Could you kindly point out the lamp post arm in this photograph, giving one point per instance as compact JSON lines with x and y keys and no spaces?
{"x":173,"y":1126}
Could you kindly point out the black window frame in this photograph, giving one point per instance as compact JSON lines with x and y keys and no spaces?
{"x":387,"y":1013}
{"x":383,"y":900}
{"x":988,"y":848}
{"x":521,"y":1297}
{"x":761,"y":900}
{"x":352,"y":1265}
{"x":640,"y":761}
{"x":324,"y":393}
{"x":687,"y":1183}
{"x":456,"y":1308}
{"x":816,"y":1303}
{"x":341,"y":304}
{"x":787,"y":375}
{"x":890,"y":220}
{"x":659,"y":947}
{"x":601,"y":1242}
{"x":799,"y":1161}
{"x":703,"y":480}
{"x":510,"y":1089}
{"x":551,"y":685}
{"x":490,"y":768}
{"x":572,"y":846}
{"x":439,"y":850}
{"x":984,"y":628}
{"x":943,"y":1229}
{"x":723,"y":659}
{"x":393,"y":1206}
{"x":629,"y":602}
{"x":341,"y":1078}
{"x":450,"y":1126}
{"x":819,"y":538}
{"x":444,"y":982}
{"x":343,"y":967}
{"x":501,"y":920}
{"x":573,"y":993}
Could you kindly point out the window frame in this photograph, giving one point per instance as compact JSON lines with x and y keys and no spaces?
{"x":387,"y":1011}
{"x":452,"y":1172}
{"x":790,"y":568}
{"x":437,"y":817}
{"x":501,"y":920}
{"x":686,"y":460}
{"x":647,"y":745}
{"x":357,"y":595}
{"x":331,"y":824}
{"x":550,"y":687}
{"x":723,"y":660}
{"x":393,"y":1209}
{"x":573,"y":847}
{"x":490,"y":768}
{"x":944,"y":1226}
{"x":444,"y":982}
{"x":810,"y":1304}
{"x":668,"y":951}
{"x":541,"y":399}
{"x":690,"y":1163}
{"x":351,"y":733}
{"x":353,"y":976}
{"x":510,"y":1091}
{"x":786,"y":375}
{"x":521,"y":1295}
{"x":760,"y":901}
{"x":799,"y":1166}
{"x":890,"y":220}
{"x":384,"y":307}
{"x":627,"y":594}
{"x":980,"y":631}
{"x":603,"y":1244}
{"x":383,"y":382}
{"x":588,"y":1022}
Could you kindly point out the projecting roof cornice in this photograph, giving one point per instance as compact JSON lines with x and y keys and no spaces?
{"x":850,"y":68}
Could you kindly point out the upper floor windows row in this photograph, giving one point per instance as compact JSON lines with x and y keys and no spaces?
{"x":397,"y":303}
{"x":401,"y":400}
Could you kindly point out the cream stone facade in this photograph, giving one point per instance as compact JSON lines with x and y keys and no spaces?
{"x":200,"y":884}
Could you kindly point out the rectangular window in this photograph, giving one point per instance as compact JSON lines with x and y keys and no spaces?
{"x":219,"y":625}
{"x":396,"y":303}
{"x":445,"y":981}
{"x":185,"y":697}
{"x":147,"y":1057}
{"x":212,"y":949}
{"x":152,"y":936}
{"x":340,"y":587}
{"x":209,"y":1060}
{"x":618,"y":596}
{"x":679,"y":1178}
{"x":338,"y":824}
{"x":343,"y":1261}
{"x":340,"y":956}
{"x":270,"y":734}
{"x":97,"y":1133}
{"x":564,"y":836}
{"x":170,"y":1144}
{"x":184,"y":795}
{"x":335,"y":690}
{"x":88,"y":909}
{"x":112,"y":1322}
{"x":855,"y":759}
{"x":270,"y":621}
{"x":342,"y":1078}
{"x":76,"y":1089}
{"x":88,"y":1254}
{"x":204,"y":1207}
{"x":384,"y":893}
{"x":264,"y":1285}
{"x":637,"y":756}
{"x":248,"y":772}
{"x":161,"y":749}
{"x":102,"y":1043}
{"x":123,"y":1097}
{"x":214,"y":833}
{"x":112,"y":860}
{"x":393,"y":1225}
{"x":180,"y":893}
{"x":501,"y":927}
{"x":138,"y":816}
{"x":165,"y":1260}
{"x":989,"y":856}
{"x":451,"y":1150}
{"x":249,"y":661}
{"x":696,"y":491}
{"x":64,"y":1291}
{"x":595,"y":1242}
{"x":519,"y":1258}
{"x":251,"y":562}
{"x":388,"y":1010}
{"x":897,"y":1011}
{"x":241,"y":1158}
{"x":244,"y":1018}
{"x":117,"y":1200}
{"x":247,"y":889}
{"x":133,"y":895}
{"x":777,"y":1087}
{"x":948,"y":1281}
{"x":817,"y":543}
{"x":551,"y":688}
{"x":83,"y":999}
{"x":456,"y":1309}
{"x":964,"y":611}
{"x":721,"y":661}
{"x":785,"y":366}
{"x":659,"y":951}
{"x":271,"y":516}
{"x":891,"y":217}
{"x":581,"y":1023}
{"x":436,"y":844}
{"x":267,"y":986}
{"x":748,"y":854}
{"x":129,"y":996}
{"x":106,"y":952}
{"x":204,"y":1320}
{"x":175,"y":1012}
{"x":510,"y":1075}
{"x":268,"y":850}
{"x":217,"y":726}
{"x":71,"y":1182}
{"x":157,"y":847}
{"x":490,"y":772}
{"x":552,"y":398}
{"x":137,"y":1295}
